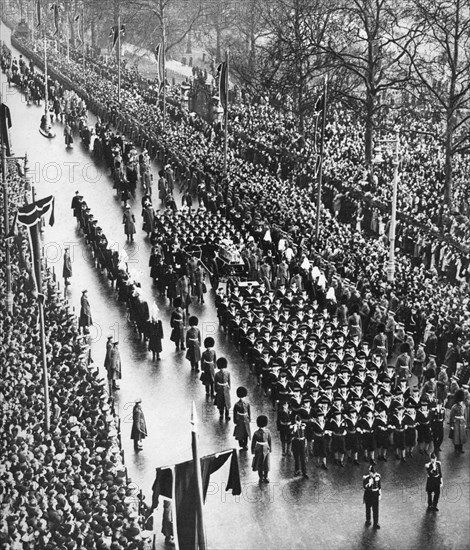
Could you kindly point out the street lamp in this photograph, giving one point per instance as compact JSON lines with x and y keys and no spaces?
{"x":390,"y":269}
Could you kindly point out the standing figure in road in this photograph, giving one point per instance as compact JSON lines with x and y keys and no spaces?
{"x":155,"y":336}
{"x":438,"y":416}
{"x":433,"y":482}
{"x":193,"y":343}
{"x":177,"y":323}
{"x":242,"y":419}
{"x":139,"y":427}
{"x":128,"y":220}
{"x":458,"y":422}
{"x":299,"y":447}
{"x":261,"y":449}
{"x":199,"y":284}
{"x":222,"y":388}
{"x":371,"y":483}
{"x":182,"y":290}
{"x":68,"y":135}
{"x":208,"y":359}
{"x":67,"y":269}
{"x":85,"y":319}
{"x":107,"y":357}
{"x":114,"y":367}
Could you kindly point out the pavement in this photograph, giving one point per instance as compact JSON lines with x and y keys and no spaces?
{"x":325,"y":511}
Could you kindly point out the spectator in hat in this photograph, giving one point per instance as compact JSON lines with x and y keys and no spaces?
{"x":139,"y":427}
{"x":222,"y":388}
{"x":85,"y":319}
{"x":261,"y":449}
{"x":242,"y":419}
{"x":458,"y":422}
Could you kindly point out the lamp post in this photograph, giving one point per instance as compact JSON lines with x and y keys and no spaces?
{"x":390,"y":268}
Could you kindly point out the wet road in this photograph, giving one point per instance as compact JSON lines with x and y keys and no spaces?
{"x":325,"y":511}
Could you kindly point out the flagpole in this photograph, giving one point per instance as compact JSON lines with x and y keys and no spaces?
{"x":119,"y":58}
{"x":201,"y":539}
{"x":164,"y":72}
{"x":83,"y":44}
{"x":36,"y":252}
{"x":6,"y":215}
{"x":226,"y":111}
{"x":68,"y":37}
{"x":46,"y":87}
{"x":320,"y":169}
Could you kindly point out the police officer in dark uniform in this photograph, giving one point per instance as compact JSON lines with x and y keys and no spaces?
{"x":434,"y":482}
{"x":371,"y":483}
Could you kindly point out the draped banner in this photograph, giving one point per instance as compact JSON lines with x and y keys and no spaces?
{"x":178,"y":483}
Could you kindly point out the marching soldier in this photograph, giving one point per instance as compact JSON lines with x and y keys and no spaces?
{"x":299,"y":446}
{"x":242,"y":419}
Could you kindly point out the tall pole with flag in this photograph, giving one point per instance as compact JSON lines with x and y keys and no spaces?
{"x":163,"y":53}
{"x":119,"y":57}
{"x":5,"y":123}
{"x":223,"y":97}
{"x":30,"y":216}
{"x":201,"y":536}
{"x":83,"y":42}
{"x":320,"y":167}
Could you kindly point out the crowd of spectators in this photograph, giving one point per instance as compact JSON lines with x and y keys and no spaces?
{"x":268,"y":200}
{"x":68,"y":487}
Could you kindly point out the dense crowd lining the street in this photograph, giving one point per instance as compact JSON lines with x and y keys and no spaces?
{"x":299,"y":307}
{"x":67,"y":488}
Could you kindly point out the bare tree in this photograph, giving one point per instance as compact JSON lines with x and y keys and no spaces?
{"x":373,"y":43}
{"x":442,"y":69}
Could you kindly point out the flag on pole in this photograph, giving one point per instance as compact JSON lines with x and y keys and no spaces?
{"x":222,"y":82}
{"x":5,"y":125}
{"x":55,"y":8}
{"x":29,"y":216}
{"x":77,"y":21}
{"x":159,"y":57}
{"x":38,"y":13}
{"x":114,"y":34}
{"x":178,"y":483}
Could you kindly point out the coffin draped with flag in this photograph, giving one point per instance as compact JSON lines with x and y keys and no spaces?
{"x":178,"y":482}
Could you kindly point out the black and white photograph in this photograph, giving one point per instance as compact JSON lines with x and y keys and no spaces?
{"x":234,"y":274}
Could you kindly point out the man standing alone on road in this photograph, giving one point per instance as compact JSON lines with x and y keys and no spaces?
{"x":434,"y":482}
{"x":371,"y":483}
